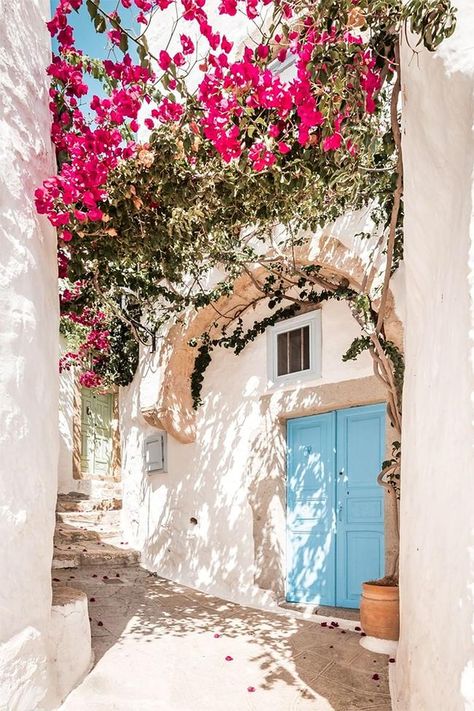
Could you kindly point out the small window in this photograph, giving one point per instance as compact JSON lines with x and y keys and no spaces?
{"x":294,"y":348}
{"x":293,"y":351}
{"x":155,"y":453}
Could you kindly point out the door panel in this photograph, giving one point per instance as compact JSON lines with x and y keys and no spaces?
{"x":310,"y":507}
{"x":360,"y":528}
{"x":96,"y":433}
{"x":335,"y":536}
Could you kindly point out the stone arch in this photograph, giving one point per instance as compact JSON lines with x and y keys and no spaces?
{"x":173,"y":410}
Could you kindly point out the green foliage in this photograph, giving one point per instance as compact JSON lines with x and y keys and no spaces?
{"x":121,"y":364}
{"x":169,"y":221}
{"x":432,"y":20}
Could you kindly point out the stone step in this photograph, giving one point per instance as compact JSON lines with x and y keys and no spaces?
{"x":71,"y":535}
{"x":97,"y":488}
{"x":94,"y":554}
{"x":82,"y":503}
{"x":65,"y":559}
{"x":109,"y":518}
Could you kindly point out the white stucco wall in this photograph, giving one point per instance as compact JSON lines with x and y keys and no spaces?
{"x":28,"y":360}
{"x":435,"y":662}
{"x":66,"y":482}
{"x":231,"y":479}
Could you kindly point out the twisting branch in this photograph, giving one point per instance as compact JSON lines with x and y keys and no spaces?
{"x":397,"y":196}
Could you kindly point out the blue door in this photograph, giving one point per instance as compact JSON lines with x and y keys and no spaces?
{"x":335,"y":532}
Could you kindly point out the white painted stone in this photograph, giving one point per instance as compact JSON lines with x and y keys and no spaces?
{"x":70,"y":639}
{"x":435,"y":660}
{"x":23,"y":671}
{"x":380,"y":646}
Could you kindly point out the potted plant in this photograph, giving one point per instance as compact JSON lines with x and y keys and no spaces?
{"x":379,"y":605}
{"x":379,"y":608}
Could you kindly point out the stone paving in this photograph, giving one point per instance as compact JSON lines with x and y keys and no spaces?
{"x":162,"y":647}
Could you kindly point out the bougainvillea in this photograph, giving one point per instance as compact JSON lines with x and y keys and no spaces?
{"x":194,"y":144}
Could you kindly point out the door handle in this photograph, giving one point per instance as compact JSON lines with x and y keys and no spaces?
{"x":339,"y":512}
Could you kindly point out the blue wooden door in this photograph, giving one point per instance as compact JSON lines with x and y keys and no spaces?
{"x":311,"y":518}
{"x":334,"y":505}
{"x":360,"y":529}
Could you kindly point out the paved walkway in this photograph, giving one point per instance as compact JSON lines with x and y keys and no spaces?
{"x":163,"y":647}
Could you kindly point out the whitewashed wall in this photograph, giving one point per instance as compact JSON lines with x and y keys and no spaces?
{"x":66,"y":482}
{"x":28,"y":360}
{"x":435,"y":662}
{"x":231,"y":479}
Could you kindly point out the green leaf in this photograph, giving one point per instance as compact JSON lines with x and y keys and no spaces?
{"x":123,"y":42}
{"x":100,"y":24}
{"x":93,"y":8}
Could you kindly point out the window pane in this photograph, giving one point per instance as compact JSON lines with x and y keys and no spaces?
{"x":306,"y":363}
{"x":282,"y":354}
{"x":295,"y":351}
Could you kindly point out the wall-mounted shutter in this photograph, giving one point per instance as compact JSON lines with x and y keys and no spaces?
{"x":155,"y":453}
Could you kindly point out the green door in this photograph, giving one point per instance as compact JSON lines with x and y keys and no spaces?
{"x":96,"y":433}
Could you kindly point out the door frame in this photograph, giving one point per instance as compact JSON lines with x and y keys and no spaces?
{"x":337,"y":462}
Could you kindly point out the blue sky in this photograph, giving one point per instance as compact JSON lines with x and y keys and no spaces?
{"x":95,"y":44}
{"x":91,"y":42}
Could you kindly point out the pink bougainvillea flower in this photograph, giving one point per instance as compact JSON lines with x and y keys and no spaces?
{"x":216,"y":635}
{"x":228,"y":7}
{"x":115,"y":36}
{"x":332,"y":143}
{"x":229,"y":658}
{"x":187,"y":44}
{"x":179,"y":59}
{"x":226,"y":45}
{"x":66,"y":236}
{"x":284,"y":147}
{"x":164,"y":60}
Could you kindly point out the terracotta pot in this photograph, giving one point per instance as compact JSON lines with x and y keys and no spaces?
{"x":379,"y":611}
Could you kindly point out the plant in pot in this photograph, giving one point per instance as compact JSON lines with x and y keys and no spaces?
{"x":379,"y":608}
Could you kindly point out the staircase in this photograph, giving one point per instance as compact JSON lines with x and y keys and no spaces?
{"x":88,"y":529}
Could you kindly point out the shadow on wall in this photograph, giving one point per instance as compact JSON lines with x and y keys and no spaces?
{"x":210,"y":520}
